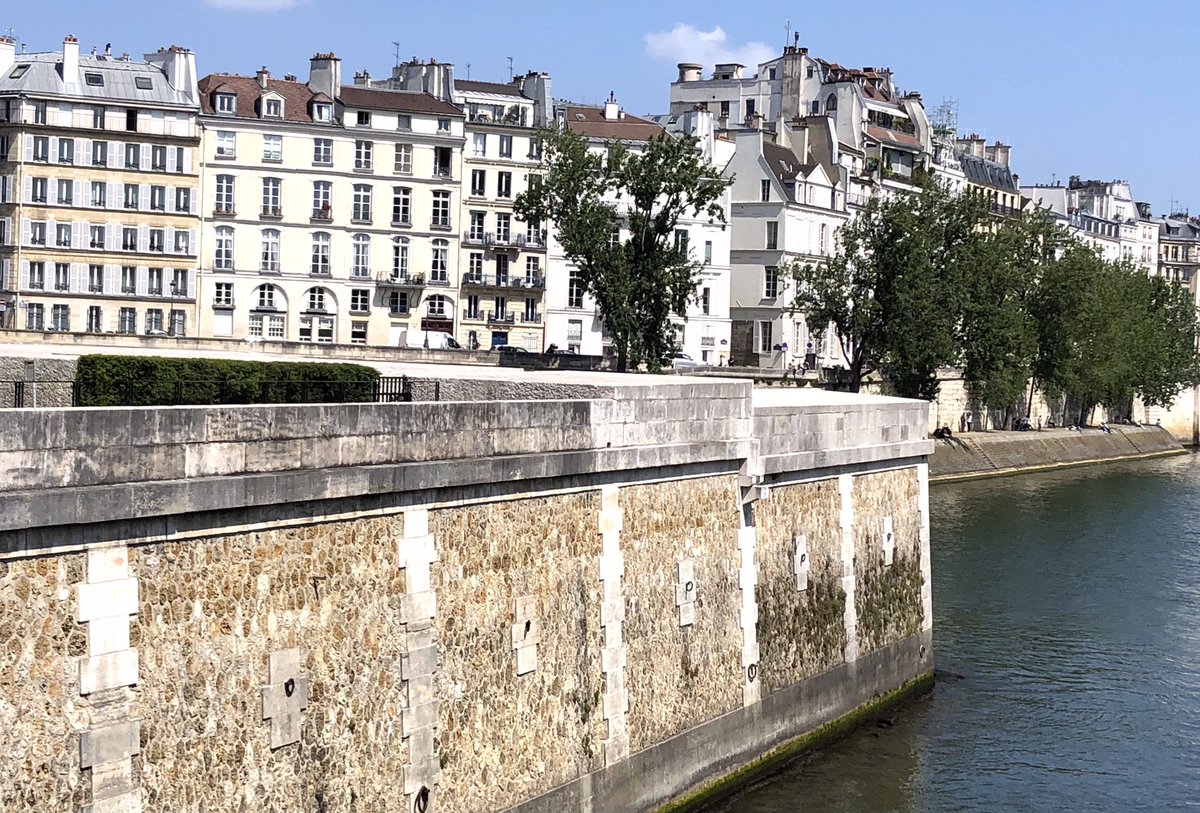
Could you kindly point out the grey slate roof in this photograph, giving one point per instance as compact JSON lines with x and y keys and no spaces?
{"x":987,"y":173}
{"x":784,"y":164}
{"x":43,"y":77}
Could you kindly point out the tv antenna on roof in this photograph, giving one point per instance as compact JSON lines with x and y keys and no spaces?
{"x":397,"y":44}
{"x":787,"y":32}
{"x":510,"y":68}
{"x":468,"y":70}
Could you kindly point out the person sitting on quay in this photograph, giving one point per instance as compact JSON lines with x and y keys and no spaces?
{"x":943,"y":433}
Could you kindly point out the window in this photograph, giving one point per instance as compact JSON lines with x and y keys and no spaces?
{"x":472,"y":310}
{"x":129,"y":279}
{"x":272,"y":192}
{"x":362,"y":256}
{"x":143,"y":83}
{"x":132,"y":196}
{"x":401,"y":205}
{"x":39,"y":111}
{"x":127,"y":320}
{"x":725,"y":109}
{"x":438,"y":265}
{"x":99,"y":153}
{"x":443,"y":125}
{"x":705,"y":300}
{"x":504,"y":185}
{"x":66,"y":151}
{"x":398,"y":303}
{"x":823,"y":233}
{"x":226,"y":144}
{"x":503,"y":227}
{"x":322,"y":113}
{"x":37,"y":190}
{"x":360,"y":300}
{"x":323,"y":151}
{"x":479,"y":145}
{"x":477,"y":226}
{"x":363,"y":118}
{"x":178,"y":326}
{"x":129,"y":238}
{"x":133,"y":156}
{"x":270,"y":250}
{"x":223,"y":295}
{"x":223,"y":260}
{"x":708,"y":252}
{"x":506,"y":146}
{"x":400,"y":258}
{"x":574,"y":333}
{"x":363,"y":151}
{"x":749,"y":108}
{"x":681,"y":240}
{"x":764,"y":336}
{"x":772,"y":236}
{"x":478,"y":183}
{"x":574,"y":290}
{"x":158,"y":240}
{"x":435,"y":306}
{"x":320,"y":254}
{"x":770,"y":282}
{"x":272,"y":148}
{"x":41,"y":148}
{"x":614,"y":237}
{"x":224,"y":194}
{"x":37,"y":276}
{"x":270,"y":326}
{"x":95,"y":319}
{"x":226,"y":103}
{"x":358,"y":332}
{"x":442,"y":158}
{"x":158,"y":198}
{"x":62,"y":277}
{"x":183,"y":199}
{"x":403,"y":122}
{"x":154,"y":281}
{"x":404,"y":158}
{"x":501,"y":308}
{"x":322,"y":196}
{"x":475,"y":266}
{"x":96,"y":235}
{"x":35,"y":317}
{"x":62,"y":235}
{"x":266,"y":297}
{"x":37,"y":233}
{"x":274,"y":109}
{"x":441,"y":209}
{"x":319,"y":328}
{"x":765,"y":190}
{"x":362,"y":203}
{"x":99,"y":197}
{"x":158,"y":158}
{"x":315,"y":299}
{"x":502,"y":261}
{"x":533,"y":269}
{"x":154,"y":320}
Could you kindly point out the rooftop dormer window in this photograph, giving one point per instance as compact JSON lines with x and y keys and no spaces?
{"x":226,"y":103}
{"x":18,"y":71}
{"x":95,"y":80}
{"x":143,"y":83}
{"x":323,"y":113}
{"x":273,"y":108}
{"x":364,"y":118}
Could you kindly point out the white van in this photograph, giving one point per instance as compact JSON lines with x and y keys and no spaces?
{"x":429,"y":339}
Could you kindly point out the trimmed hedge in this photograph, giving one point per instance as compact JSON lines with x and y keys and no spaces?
{"x":157,"y":381}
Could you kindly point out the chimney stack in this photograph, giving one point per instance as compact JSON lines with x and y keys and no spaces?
{"x":612,"y":110}
{"x":263,"y":76}
{"x":70,"y":62}
{"x":689,"y":71}
{"x":8,"y":52}
{"x":325,"y":75}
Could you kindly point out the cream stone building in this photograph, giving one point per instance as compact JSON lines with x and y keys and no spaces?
{"x":99,"y":177}
{"x":331,"y":213}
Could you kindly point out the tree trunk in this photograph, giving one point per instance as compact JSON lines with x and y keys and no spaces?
{"x":622,"y":356}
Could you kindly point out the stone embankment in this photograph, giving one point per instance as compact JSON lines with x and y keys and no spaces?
{"x":994,"y":454}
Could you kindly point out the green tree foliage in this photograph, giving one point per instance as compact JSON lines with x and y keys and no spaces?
{"x":893,"y":288}
{"x":588,"y":195}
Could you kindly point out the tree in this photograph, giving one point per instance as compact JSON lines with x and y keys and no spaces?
{"x":640,"y":282}
{"x":893,"y":286}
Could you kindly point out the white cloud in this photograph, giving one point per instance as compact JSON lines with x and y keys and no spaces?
{"x":686,"y":43}
{"x":255,"y":5}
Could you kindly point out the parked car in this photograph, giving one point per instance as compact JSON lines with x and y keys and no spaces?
{"x":510,"y":348}
{"x":431,"y":339}
{"x":682,"y":361}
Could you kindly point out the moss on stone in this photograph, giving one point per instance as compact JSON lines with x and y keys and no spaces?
{"x":888,"y":600}
{"x":779,"y":758}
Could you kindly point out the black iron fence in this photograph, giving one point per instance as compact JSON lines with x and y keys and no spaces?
{"x":33,"y":394}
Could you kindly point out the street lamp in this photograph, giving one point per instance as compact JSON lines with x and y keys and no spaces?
{"x":171,"y":312}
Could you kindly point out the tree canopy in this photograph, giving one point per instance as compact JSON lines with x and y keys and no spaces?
{"x":589,"y":195}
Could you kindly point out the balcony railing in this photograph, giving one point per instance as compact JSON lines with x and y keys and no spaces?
{"x":469,"y":315}
{"x":501,"y":318}
{"x":531,"y":318}
{"x":273,"y":212}
{"x":324,"y":214}
{"x":504,"y":281}
{"x":708,"y":341}
{"x":400,"y":280}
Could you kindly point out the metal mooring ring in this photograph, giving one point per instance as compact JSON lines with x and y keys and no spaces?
{"x":289,"y":687}
{"x":422,"y":801}
{"x":752,"y":671}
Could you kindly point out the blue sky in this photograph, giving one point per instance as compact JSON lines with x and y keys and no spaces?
{"x":1099,"y":89}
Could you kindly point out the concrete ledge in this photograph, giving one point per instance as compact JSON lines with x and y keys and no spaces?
{"x":691,"y":767}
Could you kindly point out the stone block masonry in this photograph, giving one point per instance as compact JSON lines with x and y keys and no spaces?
{"x":565,"y":605}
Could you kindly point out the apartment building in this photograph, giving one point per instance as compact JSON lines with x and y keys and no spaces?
{"x":1104,"y":215}
{"x":99,"y":187}
{"x":1179,"y":250}
{"x":331,"y":212}
{"x":988,"y":175}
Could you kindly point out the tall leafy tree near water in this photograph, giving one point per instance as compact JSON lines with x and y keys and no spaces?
{"x":640,"y":281}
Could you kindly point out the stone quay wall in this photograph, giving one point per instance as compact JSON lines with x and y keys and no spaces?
{"x":597,"y":604}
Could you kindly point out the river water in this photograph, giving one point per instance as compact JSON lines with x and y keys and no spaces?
{"x":1067,"y":641}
